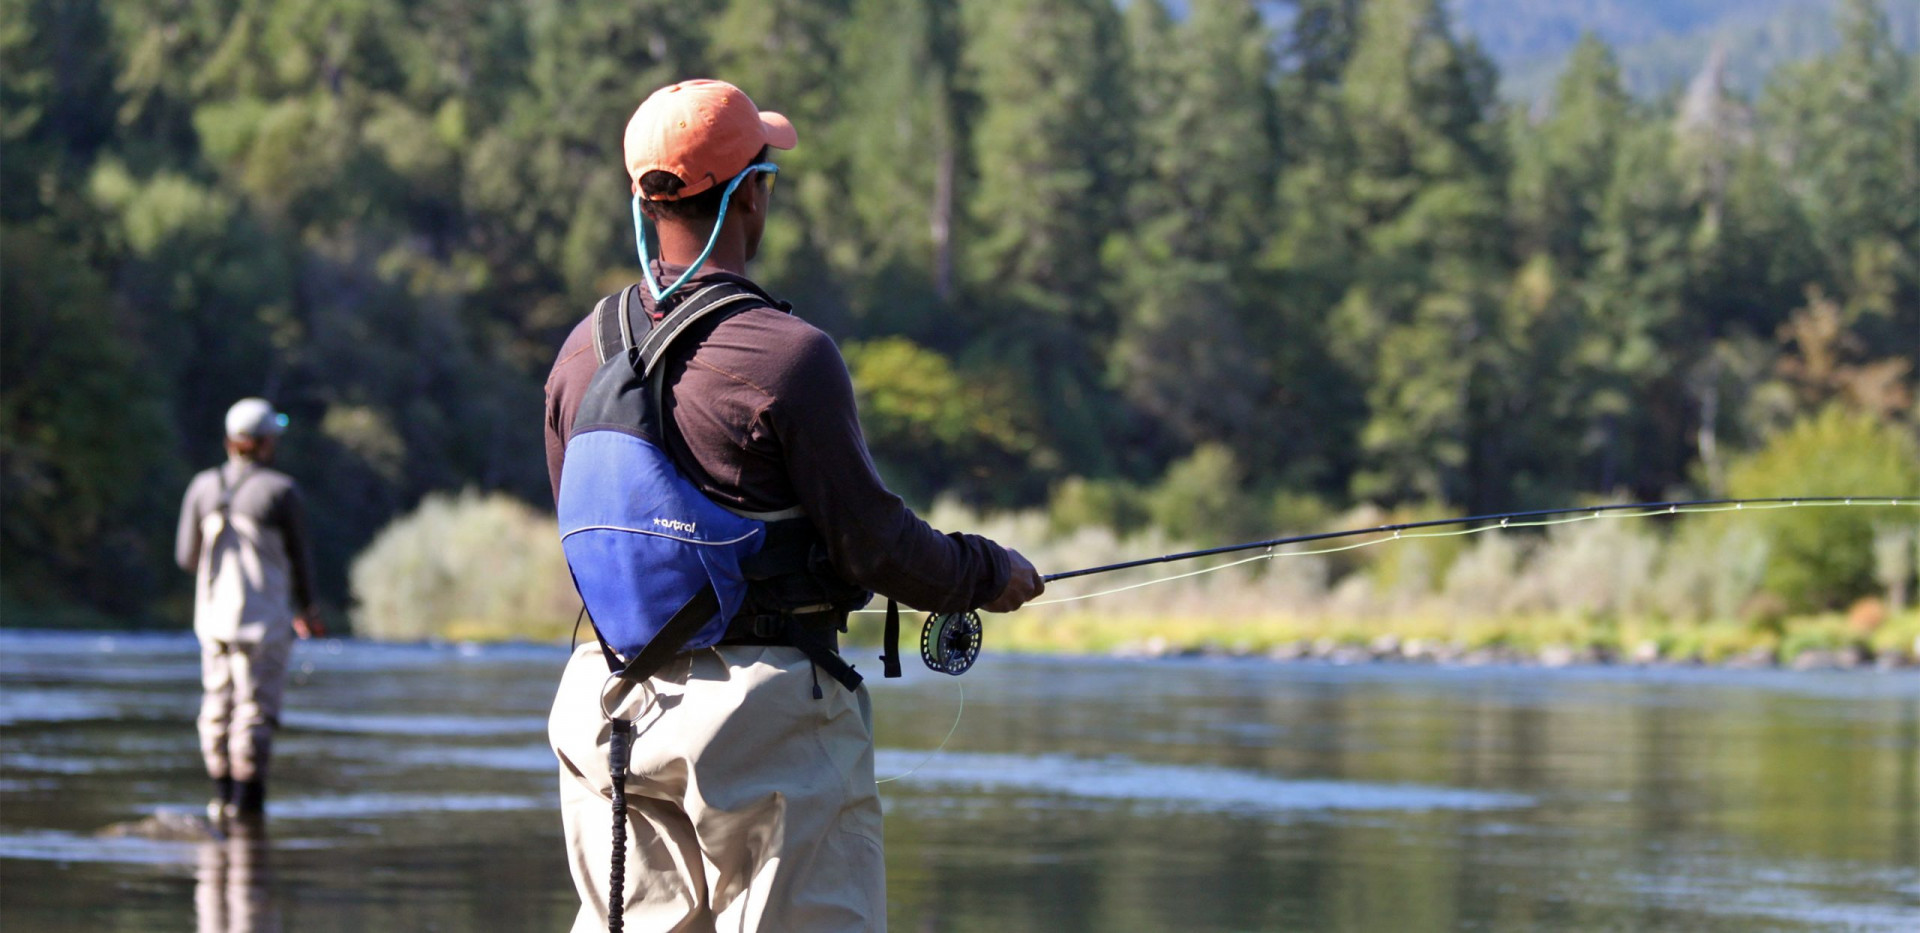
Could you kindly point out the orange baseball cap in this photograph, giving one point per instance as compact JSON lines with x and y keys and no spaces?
{"x":703,"y":131}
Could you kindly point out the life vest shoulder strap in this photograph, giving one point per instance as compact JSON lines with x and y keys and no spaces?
{"x":617,"y":328}
{"x":224,"y":505}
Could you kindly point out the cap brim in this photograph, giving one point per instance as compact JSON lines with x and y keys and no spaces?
{"x":777,"y":131}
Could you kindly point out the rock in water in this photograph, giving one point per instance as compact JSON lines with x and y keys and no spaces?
{"x":167,"y":826}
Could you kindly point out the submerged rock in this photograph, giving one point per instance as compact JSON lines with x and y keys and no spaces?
{"x":1345,"y":655}
{"x":1646,"y":652}
{"x":1385,"y":646}
{"x":1752,"y":659}
{"x":1816,"y":661}
{"x":1846,"y":658}
{"x":1559,"y":656}
{"x":1420,"y":649}
{"x":1289,"y":651}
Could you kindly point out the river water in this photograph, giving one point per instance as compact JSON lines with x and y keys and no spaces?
{"x":414,"y":791}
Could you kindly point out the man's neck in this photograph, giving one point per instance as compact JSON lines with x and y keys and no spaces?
{"x":681,"y":245}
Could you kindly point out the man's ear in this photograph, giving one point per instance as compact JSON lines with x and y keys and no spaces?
{"x":749,"y":198}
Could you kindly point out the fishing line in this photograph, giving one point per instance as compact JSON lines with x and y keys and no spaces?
{"x":943,"y":742}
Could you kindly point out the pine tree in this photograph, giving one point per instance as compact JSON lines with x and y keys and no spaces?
{"x":1047,"y":118}
{"x":1848,"y":126}
{"x":1409,"y":204}
{"x":1199,"y":204}
{"x":899,"y":143}
{"x":1048,"y":136}
{"x":1564,"y":162}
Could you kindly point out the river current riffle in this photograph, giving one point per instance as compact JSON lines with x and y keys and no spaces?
{"x":414,"y":791}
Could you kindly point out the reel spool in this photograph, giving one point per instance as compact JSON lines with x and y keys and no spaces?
{"x":950,"y":642}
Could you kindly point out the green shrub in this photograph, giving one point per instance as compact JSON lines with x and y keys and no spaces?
{"x":1707,"y":571}
{"x":1418,"y":562}
{"x":1824,"y":558}
{"x":922,"y":416}
{"x":1078,"y":503}
{"x":472,"y":566}
{"x":1203,"y":498}
{"x":1822,"y":634}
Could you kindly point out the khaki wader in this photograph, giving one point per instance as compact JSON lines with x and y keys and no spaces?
{"x":750,"y":804}
{"x":243,"y":616}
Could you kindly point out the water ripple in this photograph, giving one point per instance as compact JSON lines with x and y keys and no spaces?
{"x":1182,"y":786}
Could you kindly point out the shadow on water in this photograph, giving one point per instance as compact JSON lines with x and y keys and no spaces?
{"x":414,"y":791}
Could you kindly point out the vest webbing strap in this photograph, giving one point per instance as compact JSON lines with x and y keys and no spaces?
{"x":608,"y":339}
{"x":663,"y":646}
{"x":890,"y":647}
{"x":694,"y":614}
{"x":224,"y":508}
{"x":228,"y":492}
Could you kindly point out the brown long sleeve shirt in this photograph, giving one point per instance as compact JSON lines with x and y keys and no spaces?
{"x":763,"y":410}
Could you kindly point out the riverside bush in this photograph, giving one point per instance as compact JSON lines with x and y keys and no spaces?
{"x":468,"y":566}
{"x":1822,"y":559}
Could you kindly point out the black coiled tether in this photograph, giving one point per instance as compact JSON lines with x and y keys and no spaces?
{"x":619,"y":750}
{"x":950,"y":642}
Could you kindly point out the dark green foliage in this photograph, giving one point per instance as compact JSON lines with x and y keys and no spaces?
{"x":1150,"y":259}
{"x":83,"y":437}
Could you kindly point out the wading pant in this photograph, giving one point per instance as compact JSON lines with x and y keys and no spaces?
{"x":244,"y":683}
{"x":750,"y":804}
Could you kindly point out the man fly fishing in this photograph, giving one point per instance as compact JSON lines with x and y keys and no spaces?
{"x":721,"y":516}
{"x":243,"y":535}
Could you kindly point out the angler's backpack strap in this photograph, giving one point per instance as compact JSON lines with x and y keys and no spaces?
{"x":715,"y":298}
{"x":722,"y":299}
{"x":225,"y":505}
{"x":609,"y":332}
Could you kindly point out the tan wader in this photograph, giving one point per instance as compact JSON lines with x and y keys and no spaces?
{"x":244,"y":683}
{"x":243,"y":615}
{"x":750,"y":804}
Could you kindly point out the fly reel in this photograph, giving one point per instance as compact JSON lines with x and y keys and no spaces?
{"x":950,"y":642}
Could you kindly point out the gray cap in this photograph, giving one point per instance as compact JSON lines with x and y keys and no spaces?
{"x":254,"y":417}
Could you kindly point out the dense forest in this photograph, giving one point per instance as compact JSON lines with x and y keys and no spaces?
{"x":1078,"y":253}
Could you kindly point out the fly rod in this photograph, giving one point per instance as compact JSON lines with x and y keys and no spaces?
{"x":1649,"y":508}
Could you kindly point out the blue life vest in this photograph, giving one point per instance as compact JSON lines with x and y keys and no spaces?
{"x":660,"y":567}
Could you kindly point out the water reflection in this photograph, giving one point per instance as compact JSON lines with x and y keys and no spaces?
{"x":233,"y":882}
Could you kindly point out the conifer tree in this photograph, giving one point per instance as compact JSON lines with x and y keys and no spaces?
{"x":898,"y":131}
{"x":1412,"y":200}
{"x":1563,"y":162}
{"x":1048,"y":123}
{"x":1199,"y":204}
{"x":1848,"y":126}
{"x":1047,"y":139}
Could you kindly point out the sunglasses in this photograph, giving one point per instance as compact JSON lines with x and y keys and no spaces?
{"x":767,"y":169}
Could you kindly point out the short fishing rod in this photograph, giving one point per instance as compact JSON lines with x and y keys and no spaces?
{"x":1504,"y":518}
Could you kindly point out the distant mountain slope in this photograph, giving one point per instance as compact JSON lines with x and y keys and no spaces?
{"x":1660,"y":43}
{"x":1516,"y":31}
